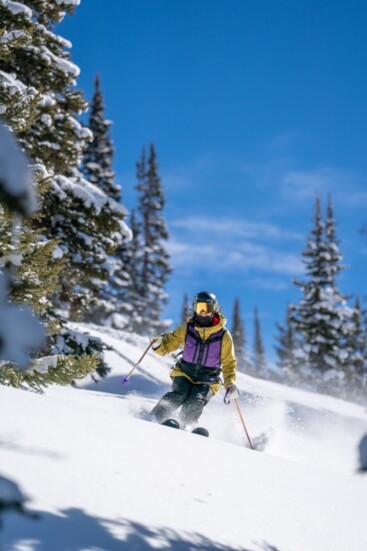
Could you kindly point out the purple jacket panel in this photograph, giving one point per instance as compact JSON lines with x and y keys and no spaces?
{"x":203,"y":352}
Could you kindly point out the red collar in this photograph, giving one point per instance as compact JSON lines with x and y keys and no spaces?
{"x":216,"y":320}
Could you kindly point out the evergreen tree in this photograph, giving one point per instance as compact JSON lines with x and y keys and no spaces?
{"x":239,"y":338}
{"x":323,"y":317}
{"x":185,"y":313}
{"x":334,"y":256}
{"x":19,"y":330}
{"x":287,"y":349}
{"x":154,"y":268}
{"x":97,"y":169}
{"x":259,"y":360}
{"x":20,"y":102}
{"x":129,"y":310}
{"x":39,"y":103}
{"x":97,"y":161}
{"x":364,"y":329}
{"x":21,"y":284}
{"x":356,"y":344}
{"x":87,"y":224}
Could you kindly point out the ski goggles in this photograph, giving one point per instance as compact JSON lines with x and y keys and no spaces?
{"x":206,"y":306}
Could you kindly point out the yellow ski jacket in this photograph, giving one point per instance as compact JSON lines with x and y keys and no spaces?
{"x":176,"y":339}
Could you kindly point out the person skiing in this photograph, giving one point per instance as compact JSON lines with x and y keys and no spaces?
{"x":207,"y":352}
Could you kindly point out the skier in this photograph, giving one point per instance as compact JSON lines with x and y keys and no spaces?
{"x":207,"y":351}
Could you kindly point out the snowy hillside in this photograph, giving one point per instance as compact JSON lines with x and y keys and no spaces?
{"x":100,"y":477}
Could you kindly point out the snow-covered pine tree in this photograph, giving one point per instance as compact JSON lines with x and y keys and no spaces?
{"x":129,"y":304}
{"x":364,"y":329}
{"x":287,"y":348}
{"x":97,"y":169}
{"x":155,"y":267}
{"x":332,"y":245}
{"x":259,"y":357}
{"x":24,"y":250}
{"x":36,"y":270}
{"x":185,"y":312}
{"x":19,"y":330}
{"x":40,"y":104}
{"x":323,"y":317}
{"x":25,"y":280}
{"x":239,"y":338}
{"x":356,"y":344}
{"x":98,"y":157}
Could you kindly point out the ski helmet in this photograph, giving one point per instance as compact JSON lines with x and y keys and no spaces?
{"x":205,"y":301}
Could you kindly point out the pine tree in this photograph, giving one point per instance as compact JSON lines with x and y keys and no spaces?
{"x":35,"y":276}
{"x":239,"y":338}
{"x":155,"y":268}
{"x":98,"y":157}
{"x":97,"y":169}
{"x":19,"y":330}
{"x":356,"y":344}
{"x":364,"y":329}
{"x":129,"y":304}
{"x":185,"y":312}
{"x":287,"y":349}
{"x":20,"y":104}
{"x":259,"y":360}
{"x":323,"y":317}
{"x":87,"y":224}
{"x":39,"y":103}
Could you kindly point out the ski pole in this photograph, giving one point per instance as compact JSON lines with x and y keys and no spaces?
{"x":243,"y":423}
{"x":125,"y":380}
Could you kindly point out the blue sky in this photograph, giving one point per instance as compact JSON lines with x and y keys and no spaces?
{"x":254,"y":107}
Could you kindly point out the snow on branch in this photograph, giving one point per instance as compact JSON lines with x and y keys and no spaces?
{"x":16,"y":187}
{"x":16,"y":8}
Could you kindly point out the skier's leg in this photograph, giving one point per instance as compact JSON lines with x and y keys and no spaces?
{"x":172,"y":400}
{"x":194,"y":404}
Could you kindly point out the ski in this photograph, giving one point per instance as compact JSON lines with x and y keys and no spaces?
{"x":176,"y":425}
{"x":171,"y":423}
{"x":200,"y":430}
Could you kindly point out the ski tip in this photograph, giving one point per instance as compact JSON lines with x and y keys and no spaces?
{"x":171,"y":423}
{"x":201,"y":431}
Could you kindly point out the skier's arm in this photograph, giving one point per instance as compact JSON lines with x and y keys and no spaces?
{"x":172,"y":341}
{"x":229,"y":362}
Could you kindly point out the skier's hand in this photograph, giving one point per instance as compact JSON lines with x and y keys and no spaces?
{"x":156,"y":340}
{"x":231,"y":393}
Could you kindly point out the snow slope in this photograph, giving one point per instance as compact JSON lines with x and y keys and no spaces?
{"x":102,"y":478}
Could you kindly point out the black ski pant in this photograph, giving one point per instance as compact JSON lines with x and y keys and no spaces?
{"x":189,"y":396}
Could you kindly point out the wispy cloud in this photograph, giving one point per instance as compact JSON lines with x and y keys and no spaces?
{"x":346,"y":188}
{"x":301,"y":184}
{"x":224,"y":246}
{"x":237,"y":229}
{"x":268,"y":284}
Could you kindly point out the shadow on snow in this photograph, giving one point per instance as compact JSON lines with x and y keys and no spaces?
{"x":138,"y":384}
{"x":75,"y":530}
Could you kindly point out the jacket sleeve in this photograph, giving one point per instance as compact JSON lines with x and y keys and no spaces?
{"x":229,"y":362}
{"x":172,"y":341}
